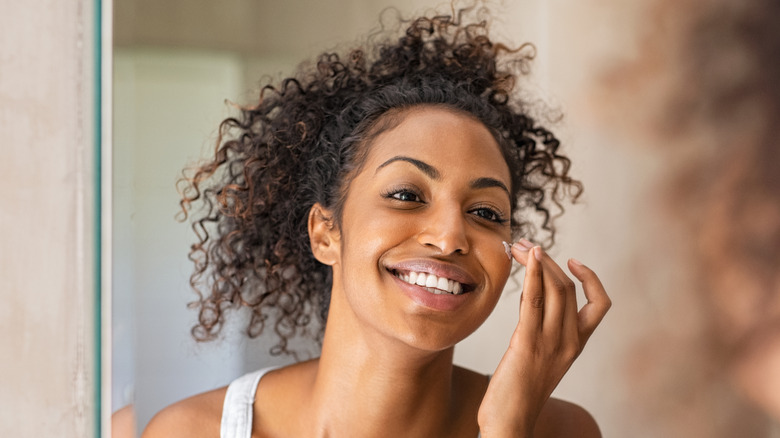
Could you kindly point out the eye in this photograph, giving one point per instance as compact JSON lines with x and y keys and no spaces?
{"x":406,"y":196}
{"x":403,"y":194}
{"x":488,"y":214}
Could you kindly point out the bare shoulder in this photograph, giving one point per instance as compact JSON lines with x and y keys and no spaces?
{"x":198,"y":416}
{"x":560,"y":418}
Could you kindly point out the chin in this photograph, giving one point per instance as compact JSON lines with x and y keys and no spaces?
{"x":431,"y":336}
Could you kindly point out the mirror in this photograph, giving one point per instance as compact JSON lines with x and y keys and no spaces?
{"x":176,"y":63}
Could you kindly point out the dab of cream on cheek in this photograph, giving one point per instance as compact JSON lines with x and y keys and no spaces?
{"x":507,"y":249}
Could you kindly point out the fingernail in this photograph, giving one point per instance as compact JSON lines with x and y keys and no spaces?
{"x":576,"y":262}
{"x":524,"y":244}
{"x":507,"y":249}
{"x":538,"y":253}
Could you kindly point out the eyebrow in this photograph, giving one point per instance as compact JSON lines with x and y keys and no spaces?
{"x":424,"y":167}
{"x":485,"y":182}
{"x":433,"y":173}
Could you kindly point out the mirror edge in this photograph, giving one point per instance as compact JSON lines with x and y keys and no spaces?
{"x":104,"y":177}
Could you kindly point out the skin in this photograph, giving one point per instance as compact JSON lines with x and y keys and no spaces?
{"x":386,"y":365}
{"x":123,"y":423}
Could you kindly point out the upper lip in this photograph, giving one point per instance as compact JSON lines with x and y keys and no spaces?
{"x":437,"y":268}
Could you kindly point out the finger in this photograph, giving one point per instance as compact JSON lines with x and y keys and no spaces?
{"x":598,"y":303}
{"x":532,"y":299}
{"x":560,"y":313}
{"x":520,"y":251}
{"x":556,"y":281}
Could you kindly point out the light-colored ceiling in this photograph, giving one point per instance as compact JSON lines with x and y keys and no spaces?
{"x":257,"y":27}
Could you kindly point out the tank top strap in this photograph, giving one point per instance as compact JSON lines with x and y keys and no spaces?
{"x":239,"y":403}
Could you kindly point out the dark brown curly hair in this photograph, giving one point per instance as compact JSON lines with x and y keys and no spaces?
{"x":305,"y":138}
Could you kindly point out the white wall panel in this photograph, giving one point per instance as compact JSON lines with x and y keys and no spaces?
{"x":47,"y":231}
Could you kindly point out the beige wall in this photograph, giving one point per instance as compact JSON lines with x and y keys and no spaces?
{"x":47,"y":363}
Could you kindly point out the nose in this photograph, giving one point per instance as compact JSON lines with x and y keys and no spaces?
{"x":445,"y":229}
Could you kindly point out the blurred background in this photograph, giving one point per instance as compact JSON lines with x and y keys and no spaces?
{"x":608,"y":67}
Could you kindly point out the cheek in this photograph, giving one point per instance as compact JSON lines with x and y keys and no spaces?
{"x":367,"y":237}
{"x":371,"y":229}
{"x":496,"y":263}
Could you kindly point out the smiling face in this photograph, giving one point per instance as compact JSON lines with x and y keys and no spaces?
{"x":419,"y":256}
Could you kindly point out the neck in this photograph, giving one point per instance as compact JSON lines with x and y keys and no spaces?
{"x":381,"y":386}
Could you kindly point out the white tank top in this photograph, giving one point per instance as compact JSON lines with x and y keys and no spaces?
{"x":238,"y":407}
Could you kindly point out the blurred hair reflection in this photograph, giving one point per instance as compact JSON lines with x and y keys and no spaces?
{"x":714,"y":67}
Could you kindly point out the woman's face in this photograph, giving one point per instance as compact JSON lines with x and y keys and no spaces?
{"x":431,"y":201}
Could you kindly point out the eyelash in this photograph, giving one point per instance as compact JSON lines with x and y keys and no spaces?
{"x":496,"y":216}
{"x":394,"y":194}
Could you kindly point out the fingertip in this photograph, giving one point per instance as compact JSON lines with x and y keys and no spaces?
{"x":538,"y":253}
{"x":524,"y":244}
{"x":592,"y":285}
{"x":577,"y":268}
{"x":533,"y":261}
{"x":530,"y":258}
{"x":520,"y":254}
{"x":527,"y":259}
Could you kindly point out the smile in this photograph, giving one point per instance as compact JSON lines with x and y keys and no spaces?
{"x":431,"y":283}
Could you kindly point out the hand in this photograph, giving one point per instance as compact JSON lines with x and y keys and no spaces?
{"x":548,"y":338}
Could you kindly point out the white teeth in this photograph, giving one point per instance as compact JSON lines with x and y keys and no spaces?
{"x":432,"y":283}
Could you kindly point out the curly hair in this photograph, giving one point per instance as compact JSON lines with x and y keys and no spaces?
{"x":308,"y":135}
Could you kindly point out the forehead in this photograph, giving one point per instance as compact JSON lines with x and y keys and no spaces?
{"x":445,"y":138}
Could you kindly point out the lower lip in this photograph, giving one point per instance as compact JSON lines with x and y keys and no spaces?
{"x":440,"y":302}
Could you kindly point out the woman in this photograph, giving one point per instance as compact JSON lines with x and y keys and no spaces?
{"x":377,"y":191}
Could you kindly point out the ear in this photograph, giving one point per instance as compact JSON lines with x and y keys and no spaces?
{"x":324,"y":236}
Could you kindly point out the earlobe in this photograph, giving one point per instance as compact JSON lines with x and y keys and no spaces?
{"x":324,"y":236}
